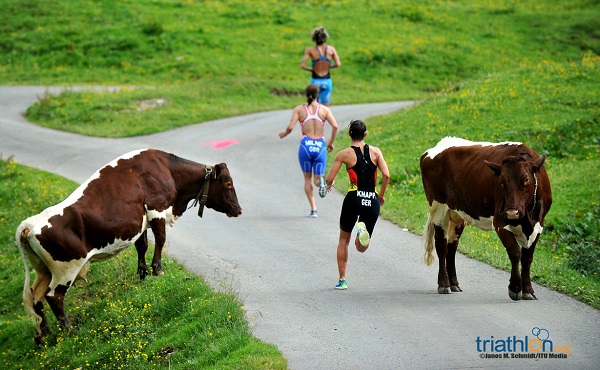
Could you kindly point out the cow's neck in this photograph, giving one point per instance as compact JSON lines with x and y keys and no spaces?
{"x":189,"y":178}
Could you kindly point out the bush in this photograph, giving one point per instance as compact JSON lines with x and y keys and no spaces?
{"x":580,"y":237}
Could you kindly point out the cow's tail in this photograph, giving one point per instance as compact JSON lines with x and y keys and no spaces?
{"x":428,"y":240}
{"x":22,"y":244}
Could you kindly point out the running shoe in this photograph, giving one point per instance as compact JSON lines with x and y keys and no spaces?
{"x":313,"y":214}
{"x":363,"y":235}
{"x":322,"y":187}
{"x":341,"y":285}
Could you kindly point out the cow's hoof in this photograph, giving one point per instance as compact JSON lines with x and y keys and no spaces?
{"x":529,"y":297}
{"x":515,"y":296}
{"x":455,"y":288}
{"x":143,"y":272}
{"x":444,"y":290}
{"x":158,"y":272}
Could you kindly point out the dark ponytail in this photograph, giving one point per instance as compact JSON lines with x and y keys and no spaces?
{"x":312,"y":93}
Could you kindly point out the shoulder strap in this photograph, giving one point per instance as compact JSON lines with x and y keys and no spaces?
{"x":319,"y":52}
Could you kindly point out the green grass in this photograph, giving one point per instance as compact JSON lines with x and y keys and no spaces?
{"x":122,"y":322}
{"x":222,"y":58}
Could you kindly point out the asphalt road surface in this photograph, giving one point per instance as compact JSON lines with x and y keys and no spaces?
{"x":282,"y":264}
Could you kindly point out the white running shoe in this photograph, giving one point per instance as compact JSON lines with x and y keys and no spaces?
{"x":322,"y":187}
{"x":363,"y":235}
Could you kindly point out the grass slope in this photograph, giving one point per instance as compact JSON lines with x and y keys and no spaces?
{"x":221,"y":58}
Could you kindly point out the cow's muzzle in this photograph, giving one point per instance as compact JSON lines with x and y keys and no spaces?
{"x":513,"y":214}
{"x":236,"y":213}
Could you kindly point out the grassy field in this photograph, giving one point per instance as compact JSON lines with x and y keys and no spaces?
{"x":221,"y":58}
{"x":484,"y":70}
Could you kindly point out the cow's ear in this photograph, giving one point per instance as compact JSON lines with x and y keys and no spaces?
{"x":217,"y":169}
{"x":538,"y":163}
{"x":495,"y":167}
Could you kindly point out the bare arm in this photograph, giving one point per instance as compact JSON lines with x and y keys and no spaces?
{"x":385,"y":175}
{"x":336,"y":58}
{"x":334,"y":128}
{"x":335,"y":168}
{"x":305,"y":59}
{"x":291,"y":125}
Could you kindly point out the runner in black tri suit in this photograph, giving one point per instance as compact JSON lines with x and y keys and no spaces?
{"x":362,"y":202}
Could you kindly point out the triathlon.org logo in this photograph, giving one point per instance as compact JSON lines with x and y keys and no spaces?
{"x":537,"y":346}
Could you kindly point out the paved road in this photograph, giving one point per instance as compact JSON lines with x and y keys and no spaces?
{"x":282,"y":264}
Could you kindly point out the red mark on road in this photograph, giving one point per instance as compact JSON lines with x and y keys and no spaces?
{"x":220,"y":144}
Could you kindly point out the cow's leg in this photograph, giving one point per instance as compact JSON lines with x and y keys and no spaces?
{"x":451,"y":256}
{"x":526,"y":260}
{"x":141,"y":245}
{"x":56,"y":303}
{"x":38,"y":307}
{"x":39,"y":289}
{"x":158,"y":226}
{"x":441,"y":247}
{"x":514,"y":254}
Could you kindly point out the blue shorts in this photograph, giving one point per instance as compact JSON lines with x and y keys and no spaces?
{"x":312,"y":155}
{"x":325,"y":88}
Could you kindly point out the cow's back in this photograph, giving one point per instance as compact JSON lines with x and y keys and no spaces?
{"x":454,"y":173}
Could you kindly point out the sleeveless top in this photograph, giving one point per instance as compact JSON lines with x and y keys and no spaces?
{"x":363,"y":175}
{"x":321,"y":57}
{"x":310,"y":116}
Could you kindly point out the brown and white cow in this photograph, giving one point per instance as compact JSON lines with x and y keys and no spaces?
{"x":106,"y":214}
{"x":494,"y":186}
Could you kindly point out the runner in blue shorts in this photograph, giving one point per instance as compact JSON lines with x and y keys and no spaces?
{"x":312,"y":154}
{"x":362,"y":201}
{"x":321,"y":57}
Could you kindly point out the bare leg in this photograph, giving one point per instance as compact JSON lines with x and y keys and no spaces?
{"x":308,"y":189}
{"x":342,"y":253}
{"x":359,"y":246}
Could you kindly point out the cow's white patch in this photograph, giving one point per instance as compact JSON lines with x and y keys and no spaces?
{"x":437,"y":212}
{"x":63,"y":273}
{"x":129,"y":155}
{"x":485,"y":223}
{"x":537,"y":230}
{"x":451,"y":141}
{"x":520,"y":236}
{"x":167,"y":215}
{"x":440,"y":215}
{"x":112,"y":249}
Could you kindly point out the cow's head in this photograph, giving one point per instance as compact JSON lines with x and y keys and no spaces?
{"x":519,"y":184}
{"x":221,"y":193}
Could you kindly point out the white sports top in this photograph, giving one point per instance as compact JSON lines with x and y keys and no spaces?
{"x":312,"y":115}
